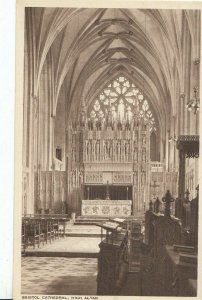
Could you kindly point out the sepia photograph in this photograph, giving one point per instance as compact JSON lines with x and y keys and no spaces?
{"x":109,"y":151}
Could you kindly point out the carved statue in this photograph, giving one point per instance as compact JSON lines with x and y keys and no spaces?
{"x":110,"y":149}
{"x":135,"y":154}
{"x":144,"y":154}
{"x":119,"y":150}
{"x":89,"y":150}
{"x":135,"y":178}
{"x":105,"y":150}
{"x":143,"y":139}
{"x":143,"y":178}
{"x":97,"y":150}
{"x":127,"y":150}
{"x":136,"y":136}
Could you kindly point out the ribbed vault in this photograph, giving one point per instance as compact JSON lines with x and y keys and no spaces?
{"x":88,"y":47}
{"x":73,"y":54}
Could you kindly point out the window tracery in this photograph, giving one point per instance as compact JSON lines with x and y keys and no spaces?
{"x":124,"y":100}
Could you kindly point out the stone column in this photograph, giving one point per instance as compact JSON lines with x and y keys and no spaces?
{"x":181,"y":188}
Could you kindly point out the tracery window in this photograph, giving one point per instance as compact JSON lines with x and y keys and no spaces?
{"x":125,"y":101}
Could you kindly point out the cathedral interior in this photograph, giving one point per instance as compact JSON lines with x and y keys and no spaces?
{"x":110,"y":151}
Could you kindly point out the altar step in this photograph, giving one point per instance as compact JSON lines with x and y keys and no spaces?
{"x":82,"y":230}
{"x":92,"y":220}
{"x":83,"y":247}
{"x":88,"y":220}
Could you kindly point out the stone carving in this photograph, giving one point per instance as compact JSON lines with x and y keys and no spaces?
{"x":93,"y":177}
{"x":112,"y":149}
{"x":95,"y":209}
{"x":105,"y":210}
{"x":122,"y":178}
{"x":116,"y":210}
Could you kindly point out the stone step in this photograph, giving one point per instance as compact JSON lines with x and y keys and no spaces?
{"x":67,"y":247}
{"x":91,"y":217}
{"x":91,"y":221}
{"x":84,"y":235}
{"x":87,"y":223}
{"x":81,"y":230}
{"x":61,"y":254}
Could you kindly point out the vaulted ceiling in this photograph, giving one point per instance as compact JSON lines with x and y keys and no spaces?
{"x":89,"y":47}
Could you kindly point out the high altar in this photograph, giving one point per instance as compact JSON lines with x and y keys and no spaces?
{"x":110,"y":160}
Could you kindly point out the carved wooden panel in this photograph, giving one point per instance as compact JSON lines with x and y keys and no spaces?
{"x":112,"y":266}
{"x":167,"y":231}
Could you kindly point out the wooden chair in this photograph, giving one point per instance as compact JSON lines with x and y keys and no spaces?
{"x":56,"y":228}
{"x":48,"y":231}
{"x":51,"y":228}
{"x":34,"y":234}
{"x":62,"y":224}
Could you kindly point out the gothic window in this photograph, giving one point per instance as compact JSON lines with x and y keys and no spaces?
{"x":124,"y":100}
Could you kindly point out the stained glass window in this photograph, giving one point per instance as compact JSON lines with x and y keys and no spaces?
{"x":126,"y":101}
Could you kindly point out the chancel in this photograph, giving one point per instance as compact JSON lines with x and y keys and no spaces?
{"x":110,"y":151}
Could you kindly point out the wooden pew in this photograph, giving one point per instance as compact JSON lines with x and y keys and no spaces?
{"x":112,"y":260}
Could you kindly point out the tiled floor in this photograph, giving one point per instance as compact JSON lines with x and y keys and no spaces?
{"x":59,"y":276}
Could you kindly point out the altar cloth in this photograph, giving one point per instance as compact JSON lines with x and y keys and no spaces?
{"x":107,"y":208}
